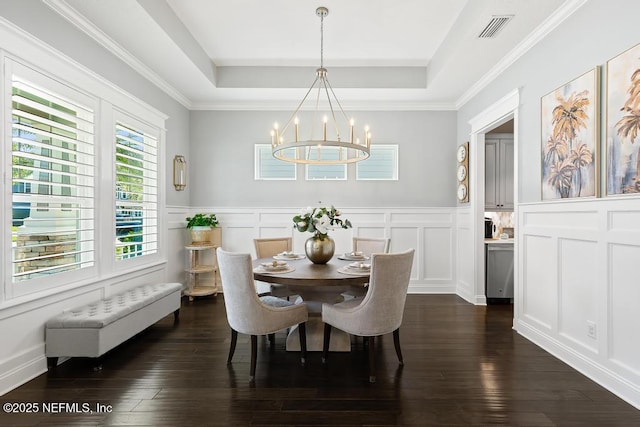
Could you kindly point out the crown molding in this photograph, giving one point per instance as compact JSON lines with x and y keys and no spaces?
{"x":352,"y":106}
{"x":83,"y":24}
{"x":41,"y":49}
{"x":564,"y":11}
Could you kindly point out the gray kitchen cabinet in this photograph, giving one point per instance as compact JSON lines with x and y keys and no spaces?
{"x":498,"y":173}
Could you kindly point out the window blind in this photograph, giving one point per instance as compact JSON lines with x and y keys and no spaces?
{"x":268,"y":167}
{"x":326,"y":172}
{"x":381,"y":165}
{"x":53,"y":166}
{"x":136,"y":193}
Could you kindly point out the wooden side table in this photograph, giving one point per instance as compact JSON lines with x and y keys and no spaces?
{"x":202,"y":277}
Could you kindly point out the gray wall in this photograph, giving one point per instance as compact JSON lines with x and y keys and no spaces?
{"x":222,"y":162}
{"x":596,"y":32}
{"x":35,"y":17}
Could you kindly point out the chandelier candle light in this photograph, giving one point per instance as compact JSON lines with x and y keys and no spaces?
{"x":320,"y":150}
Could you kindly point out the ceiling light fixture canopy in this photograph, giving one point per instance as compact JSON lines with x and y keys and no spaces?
{"x":319,"y":148}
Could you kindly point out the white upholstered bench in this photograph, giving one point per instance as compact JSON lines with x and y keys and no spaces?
{"x":93,"y":329}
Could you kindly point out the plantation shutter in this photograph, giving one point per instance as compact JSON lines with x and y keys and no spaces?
{"x":52,"y":182}
{"x":136,"y":193}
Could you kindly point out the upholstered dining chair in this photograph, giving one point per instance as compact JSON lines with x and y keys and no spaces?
{"x":249,"y":314}
{"x":267,"y":247}
{"x":368,"y":246}
{"x":379,"y":312}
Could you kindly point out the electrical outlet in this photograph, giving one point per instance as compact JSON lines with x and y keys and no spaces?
{"x":591,"y":329}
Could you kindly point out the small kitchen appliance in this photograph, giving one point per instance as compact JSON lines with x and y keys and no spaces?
{"x":488,"y":228}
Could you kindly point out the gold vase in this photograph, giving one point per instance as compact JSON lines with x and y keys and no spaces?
{"x":319,"y":249}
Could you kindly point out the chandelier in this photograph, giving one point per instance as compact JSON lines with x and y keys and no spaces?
{"x":319,"y":148}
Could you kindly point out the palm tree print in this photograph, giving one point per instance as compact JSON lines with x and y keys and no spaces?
{"x":564,"y":155}
{"x":561,"y":175}
{"x":629,"y":125}
{"x":569,"y":116}
{"x":580,"y":158}
{"x":555,"y":150}
{"x":633,"y":103}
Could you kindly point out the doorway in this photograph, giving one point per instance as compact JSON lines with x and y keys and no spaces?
{"x":499,"y":230}
{"x":502,"y":111}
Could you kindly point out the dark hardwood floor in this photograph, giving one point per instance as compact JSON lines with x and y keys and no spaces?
{"x":463,"y":366}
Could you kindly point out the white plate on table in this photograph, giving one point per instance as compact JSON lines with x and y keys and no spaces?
{"x":354,"y":256}
{"x":274,"y":266}
{"x":365,"y":270}
{"x":359,"y":266}
{"x":283,"y":256}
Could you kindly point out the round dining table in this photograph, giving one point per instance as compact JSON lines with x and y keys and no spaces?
{"x":315,"y":284}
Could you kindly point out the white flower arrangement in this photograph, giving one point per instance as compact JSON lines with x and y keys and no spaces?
{"x":319,"y":221}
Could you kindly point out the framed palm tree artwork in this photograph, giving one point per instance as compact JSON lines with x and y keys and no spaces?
{"x":570,"y":139}
{"x":623,"y":123}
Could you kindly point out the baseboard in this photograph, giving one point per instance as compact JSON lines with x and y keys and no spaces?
{"x":608,"y":379}
{"x":465,"y":292}
{"x":22,"y":368}
{"x":423,"y":288}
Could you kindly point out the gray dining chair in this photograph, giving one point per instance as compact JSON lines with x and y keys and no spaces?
{"x":379,"y":312}
{"x":267,"y":247}
{"x":251,"y":315}
{"x":368,"y":246}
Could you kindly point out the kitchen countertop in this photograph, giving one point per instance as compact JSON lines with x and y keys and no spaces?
{"x":488,"y":241}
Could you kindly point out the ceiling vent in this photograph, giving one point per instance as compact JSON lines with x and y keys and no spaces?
{"x":494,"y":26}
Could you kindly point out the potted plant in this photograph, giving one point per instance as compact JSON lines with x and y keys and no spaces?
{"x":201,"y":225}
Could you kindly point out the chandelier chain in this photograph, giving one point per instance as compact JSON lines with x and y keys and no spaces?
{"x":321,"y":40}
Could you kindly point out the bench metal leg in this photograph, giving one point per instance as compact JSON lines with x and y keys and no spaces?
{"x":97,"y":367}
{"x":52,"y":362}
{"x":176,"y":316}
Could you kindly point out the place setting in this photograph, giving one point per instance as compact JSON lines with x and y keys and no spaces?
{"x":288,"y":255}
{"x":353,"y":256}
{"x":274,"y":267}
{"x":356,"y":269}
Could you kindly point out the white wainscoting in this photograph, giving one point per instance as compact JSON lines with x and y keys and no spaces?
{"x":579,"y":287}
{"x":466,"y":269}
{"x":431,"y":231}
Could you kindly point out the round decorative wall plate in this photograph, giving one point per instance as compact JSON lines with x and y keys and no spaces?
{"x":461,"y":153}
{"x":462,"y":192}
{"x":462,"y":172}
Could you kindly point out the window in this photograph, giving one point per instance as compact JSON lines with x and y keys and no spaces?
{"x":136,"y":192}
{"x":381,"y":165}
{"x":268,"y":167}
{"x":76,"y":160}
{"x":326,"y":172}
{"x":52,"y":180}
